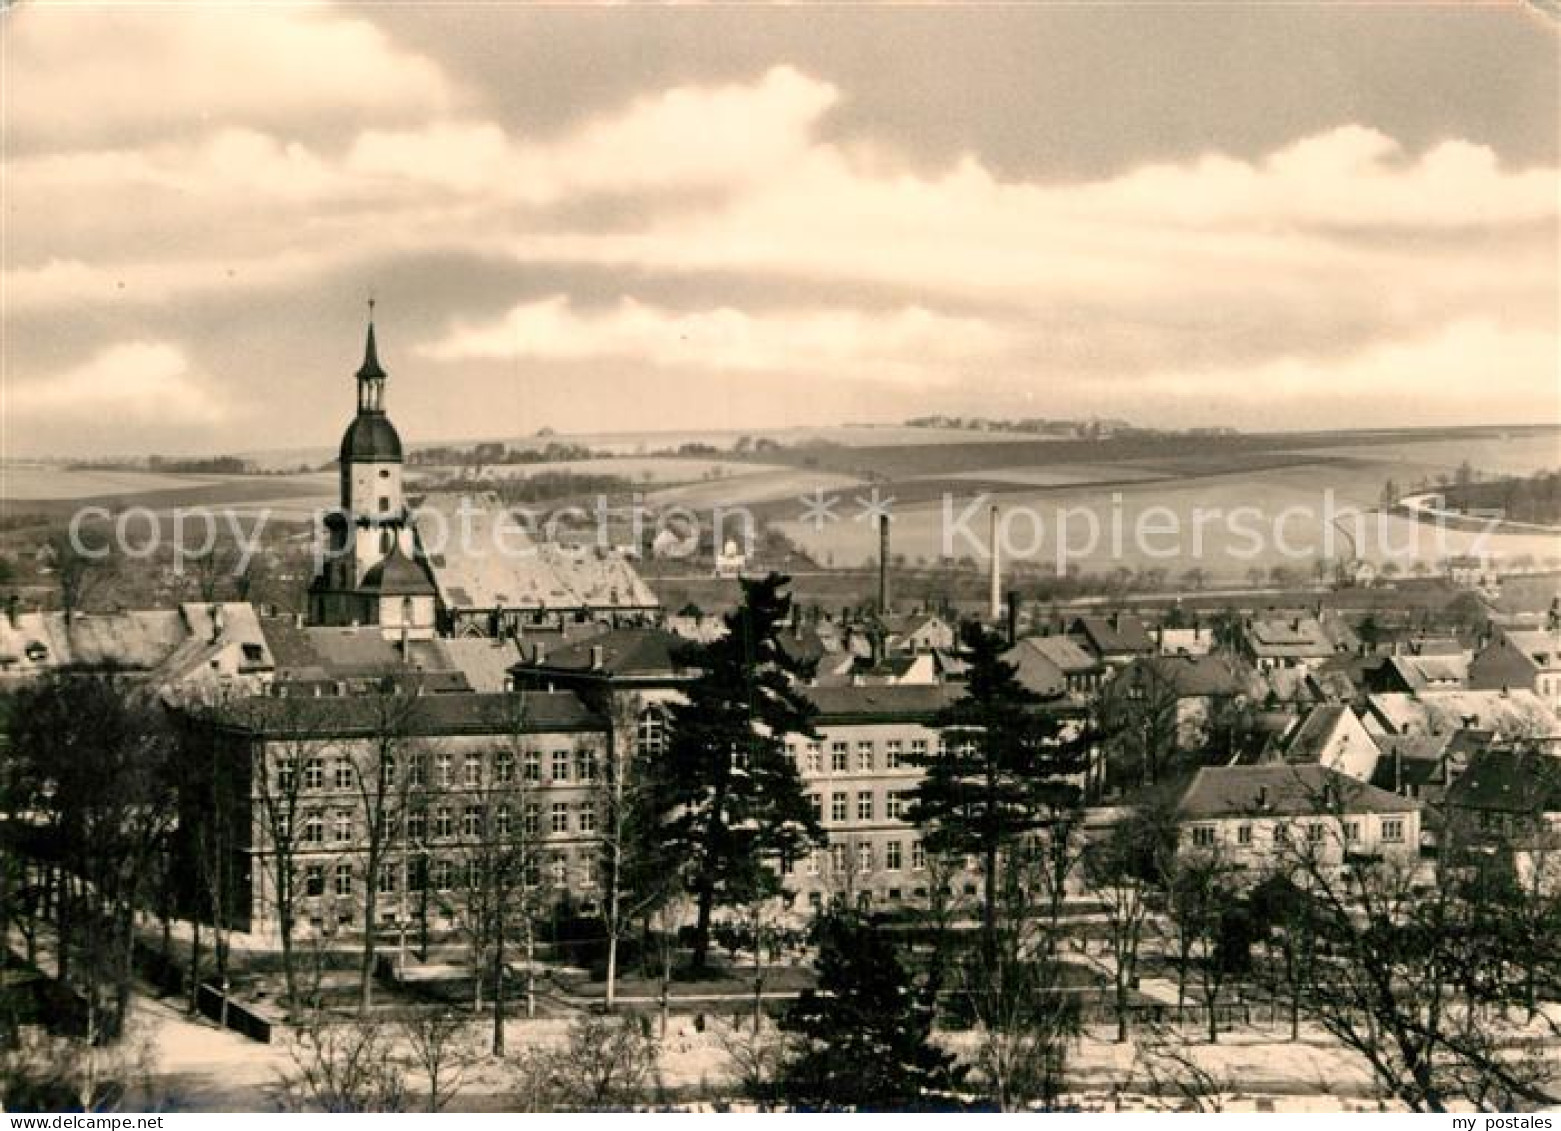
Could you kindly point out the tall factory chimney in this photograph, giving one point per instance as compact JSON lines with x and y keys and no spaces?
{"x":883,"y":565}
{"x":997,"y":591}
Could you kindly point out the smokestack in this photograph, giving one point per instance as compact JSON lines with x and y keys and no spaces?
{"x":1013,"y":617}
{"x":997,"y":575}
{"x":883,"y":565}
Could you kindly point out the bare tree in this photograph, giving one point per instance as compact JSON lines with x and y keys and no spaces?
{"x":606,"y":1063}
{"x":344,"y":1065}
{"x":1118,"y":878}
{"x":438,"y":1040}
{"x":1409,"y":976}
{"x":381,"y":775}
{"x":1026,"y":1023}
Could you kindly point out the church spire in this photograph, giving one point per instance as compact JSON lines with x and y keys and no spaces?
{"x":371,"y":378}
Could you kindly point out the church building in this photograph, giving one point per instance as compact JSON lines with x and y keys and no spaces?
{"x":469,"y":572}
{"x":370,"y":575}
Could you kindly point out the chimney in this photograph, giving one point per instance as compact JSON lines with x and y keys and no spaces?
{"x":996,"y":595}
{"x":298,"y":620}
{"x":1398,"y":770}
{"x":1262,"y":797}
{"x":883,"y":565}
{"x":597,"y":658}
{"x":218,"y":622}
{"x":13,"y":610}
{"x":1013,"y":617}
{"x":539,"y":652}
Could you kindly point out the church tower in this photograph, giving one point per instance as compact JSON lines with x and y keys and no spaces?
{"x":370,"y":575}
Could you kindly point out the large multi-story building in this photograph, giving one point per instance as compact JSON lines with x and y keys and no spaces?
{"x":444,"y":775}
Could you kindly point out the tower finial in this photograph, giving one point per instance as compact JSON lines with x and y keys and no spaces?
{"x":370,"y":367}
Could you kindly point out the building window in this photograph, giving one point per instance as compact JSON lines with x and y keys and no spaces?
{"x":286,"y":773}
{"x":837,"y":859}
{"x":918,"y":750}
{"x":585,"y":765}
{"x":1351,"y":831}
{"x":387,"y":879}
{"x":344,"y":879}
{"x":417,"y":874}
{"x":533,"y":765}
{"x":560,"y":765}
{"x":651,"y":732}
{"x":588,"y":870}
{"x":417,"y":771}
{"x":314,"y":829}
{"x":817,"y":802}
{"x":504,"y":767}
{"x":343,"y":774}
{"x":918,"y":855}
{"x":1244,"y":834}
{"x":560,"y":816}
{"x":892,"y":754}
{"x":864,"y":757}
{"x":471,"y":821}
{"x":839,"y":757}
{"x":443,"y":875}
{"x":341,"y":827}
{"x":503,"y":821}
{"x":314,"y":774}
{"x":314,"y":879}
{"x":387,"y":766}
{"x":531,"y":822}
{"x":864,"y":805}
{"x":812,"y":865}
{"x":1314,"y":833}
{"x":1203,"y":836}
{"x":442,"y":772}
{"x":444,"y":824}
{"x":864,"y":858}
{"x":587,"y":818}
{"x":815,"y":757}
{"x":891,"y":856}
{"x":837,"y":807}
{"x":417,"y":826}
{"x":893,"y":805}
{"x":473,"y":771}
{"x":1393,"y":830}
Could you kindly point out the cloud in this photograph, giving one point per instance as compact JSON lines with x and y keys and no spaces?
{"x":1289,"y":267}
{"x":912,"y":341}
{"x":141,"y":382}
{"x":83,"y":75}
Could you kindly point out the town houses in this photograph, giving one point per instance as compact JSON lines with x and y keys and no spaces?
{"x":529,"y":673}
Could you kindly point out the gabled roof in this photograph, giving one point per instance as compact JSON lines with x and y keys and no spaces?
{"x":1115,"y":635}
{"x":1512,"y":714}
{"x":396,"y":575}
{"x":624,"y":652}
{"x":426,"y":716}
{"x":487,"y":561}
{"x":1309,"y":740}
{"x":1509,"y":781}
{"x":1283,"y":791}
{"x":1195,"y":677}
{"x":911,"y":702}
{"x":1298,"y":637}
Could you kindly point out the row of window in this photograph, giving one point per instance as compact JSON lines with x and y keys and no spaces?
{"x":437,"y":874}
{"x":440,"y":824}
{"x":862,"y":759}
{"x":443,"y":771}
{"x":1392,"y":832}
{"x":896,"y":802}
{"x":866,"y":858}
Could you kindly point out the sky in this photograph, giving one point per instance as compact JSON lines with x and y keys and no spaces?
{"x":1268,"y":216}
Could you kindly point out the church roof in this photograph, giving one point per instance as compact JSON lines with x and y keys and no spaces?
{"x":370,"y":366}
{"x":371,"y":438}
{"x":398,"y":576}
